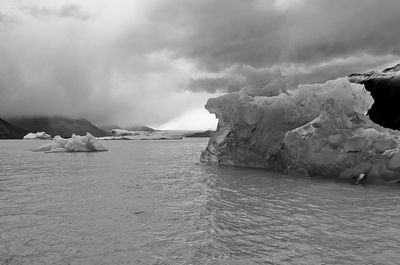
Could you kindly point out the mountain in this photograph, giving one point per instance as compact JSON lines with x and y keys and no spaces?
{"x":62,"y":126}
{"x":9,"y":131}
{"x":201,"y":134}
{"x":384,"y":87}
{"x":109,"y":128}
{"x":138,"y":128}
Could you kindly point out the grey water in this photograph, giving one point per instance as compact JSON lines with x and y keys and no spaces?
{"x":152,"y":202}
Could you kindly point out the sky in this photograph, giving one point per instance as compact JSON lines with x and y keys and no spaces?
{"x":156,"y":62}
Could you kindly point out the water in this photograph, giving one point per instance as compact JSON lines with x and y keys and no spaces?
{"x":151,"y":202}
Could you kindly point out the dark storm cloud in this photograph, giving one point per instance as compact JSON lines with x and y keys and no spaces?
{"x":67,"y":11}
{"x":61,"y":67}
{"x":236,"y":78}
{"x":3,"y":18}
{"x":264,"y":33}
{"x":209,"y":84}
{"x":239,"y":77}
{"x":73,"y":11}
{"x":318,"y":40}
{"x":6,"y":21}
{"x":339,"y":67}
{"x":133,"y":60}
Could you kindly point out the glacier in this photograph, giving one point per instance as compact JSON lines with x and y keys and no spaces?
{"x":314,"y":130}
{"x":76,"y":143}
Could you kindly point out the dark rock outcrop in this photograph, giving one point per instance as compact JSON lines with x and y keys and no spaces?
{"x":384,"y":87}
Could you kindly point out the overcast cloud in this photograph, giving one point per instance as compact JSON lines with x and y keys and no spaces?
{"x":149,"y":62}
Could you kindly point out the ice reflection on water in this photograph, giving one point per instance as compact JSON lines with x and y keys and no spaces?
{"x":151,"y":202}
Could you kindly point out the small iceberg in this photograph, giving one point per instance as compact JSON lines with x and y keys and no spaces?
{"x":37,"y":136}
{"x":119,"y":134}
{"x":76,"y":143}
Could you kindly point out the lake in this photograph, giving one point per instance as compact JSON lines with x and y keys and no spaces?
{"x":152,"y":202}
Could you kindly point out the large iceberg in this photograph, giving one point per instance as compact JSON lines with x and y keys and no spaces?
{"x":76,"y":143}
{"x":37,"y":136}
{"x":316,"y":129}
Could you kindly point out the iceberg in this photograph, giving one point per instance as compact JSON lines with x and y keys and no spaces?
{"x":314,"y":129}
{"x":38,"y":135}
{"x":76,"y":143}
{"x":119,"y":134}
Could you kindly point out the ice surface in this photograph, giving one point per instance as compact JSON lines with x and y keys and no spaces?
{"x":38,"y":135}
{"x":76,"y":143}
{"x":345,"y":146}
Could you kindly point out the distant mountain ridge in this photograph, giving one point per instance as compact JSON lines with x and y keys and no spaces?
{"x":138,"y":128}
{"x":9,"y":131}
{"x":109,"y":128}
{"x":201,"y":134}
{"x":62,"y":126}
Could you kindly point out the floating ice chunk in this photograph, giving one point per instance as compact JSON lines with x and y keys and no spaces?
{"x":38,"y":135}
{"x":121,"y":132}
{"x":76,"y":143}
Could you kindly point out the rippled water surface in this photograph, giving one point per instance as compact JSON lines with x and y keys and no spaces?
{"x":151,"y":202}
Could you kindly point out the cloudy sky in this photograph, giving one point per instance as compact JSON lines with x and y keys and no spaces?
{"x":156,"y":62}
